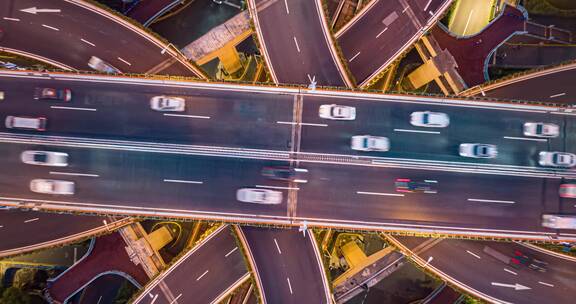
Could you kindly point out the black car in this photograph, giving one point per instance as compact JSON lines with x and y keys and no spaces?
{"x":284,"y":173}
{"x":53,"y":94}
{"x":410,"y":186}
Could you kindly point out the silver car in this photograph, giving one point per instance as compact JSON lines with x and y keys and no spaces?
{"x":557,"y":159}
{"x":102,"y":66}
{"x":259,"y":196}
{"x":370,"y":143}
{"x":52,"y":186}
{"x":167,"y":103}
{"x":429,"y":119}
{"x":337,"y":112}
{"x":559,"y":221}
{"x":478,"y":150}
{"x":44,"y":158}
{"x":541,"y":129}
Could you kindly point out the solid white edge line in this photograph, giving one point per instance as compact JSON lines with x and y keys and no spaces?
{"x":379,"y":193}
{"x":182,"y":181}
{"x":490,"y":201}
{"x":187,"y":116}
{"x":74,"y":174}
{"x":73,"y":108}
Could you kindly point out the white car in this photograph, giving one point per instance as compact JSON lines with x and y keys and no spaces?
{"x":540,"y":129}
{"x":557,"y":159}
{"x":478,"y":150}
{"x":559,"y":221}
{"x":102,"y":66}
{"x":429,"y":119}
{"x":44,"y":158}
{"x":168,"y":103}
{"x":370,"y":143}
{"x":52,"y":186}
{"x":337,"y":112}
{"x":259,"y":196}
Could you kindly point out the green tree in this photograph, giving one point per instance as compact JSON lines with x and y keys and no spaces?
{"x":13,"y":295}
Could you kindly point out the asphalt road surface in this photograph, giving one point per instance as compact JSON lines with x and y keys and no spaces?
{"x":287,"y":265}
{"x":70,"y":34}
{"x":295,"y":43}
{"x":201,"y":275}
{"x":15,"y":224}
{"x":378,"y":36}
{"x":466,"y":262}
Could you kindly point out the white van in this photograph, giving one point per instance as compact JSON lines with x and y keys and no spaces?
{"x":26,"y":123}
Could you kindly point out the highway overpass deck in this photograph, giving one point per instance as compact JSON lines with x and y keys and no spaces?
{"x":294,"y":33}
{"x":157,"y":177}
{"x":202,"y":275}
{"x":68,"y":33}
{"x":467,"y":266}
{"x":43,"y":230}
{"x":382,"y":31}
{"x":288,"y":266}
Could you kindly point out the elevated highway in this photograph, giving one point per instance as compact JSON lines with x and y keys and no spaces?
{"x":67,"y":33}
{"x":142,"y":172}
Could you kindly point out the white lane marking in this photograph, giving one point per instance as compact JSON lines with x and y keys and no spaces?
{"x":416,"y":131}
{"x":276,"y":187}
{"x":427,"y":5}
{"x":182,"y":181}
{"x":154,"y":298}
{"x":525,"y":138}
{"x":430,"y":181}
{"x":467,"y":22}
{"x":1,"y":226}
{"x":74,"y":108}
{"x":490,"y":201}
{"x":405,"y":9}
{"x":50,"y":27}
{"x":379,"y":193}
{"x":382,"y":32}
{"x":11,"y":19}
{"x":100,"y":298}
{"x":205,"y":272}
{"x":126,"y":62}
{"x":33,"y":10}
{"x":289,"y":285}
{"x":87,"y":42}
{"x":510,"y":271}
{"x":546,"y":284}
{"x":277,"y":247}
{"x":231,"y":251}
{"x":302,"y":123}
{"x":176,"y":299}
{"x":32,"y":220}
{"x":297,"y":46}
{"x":74,"y":174}
{"x":353,"y":57}
{"x":187,"y":116}
{"x":473,"y":254}
{"x":286,"y":4}
{"x":557,"y":95}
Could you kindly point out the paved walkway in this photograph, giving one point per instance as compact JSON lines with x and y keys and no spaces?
{"x":107,"y":255}
{"x":471,"y":53}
